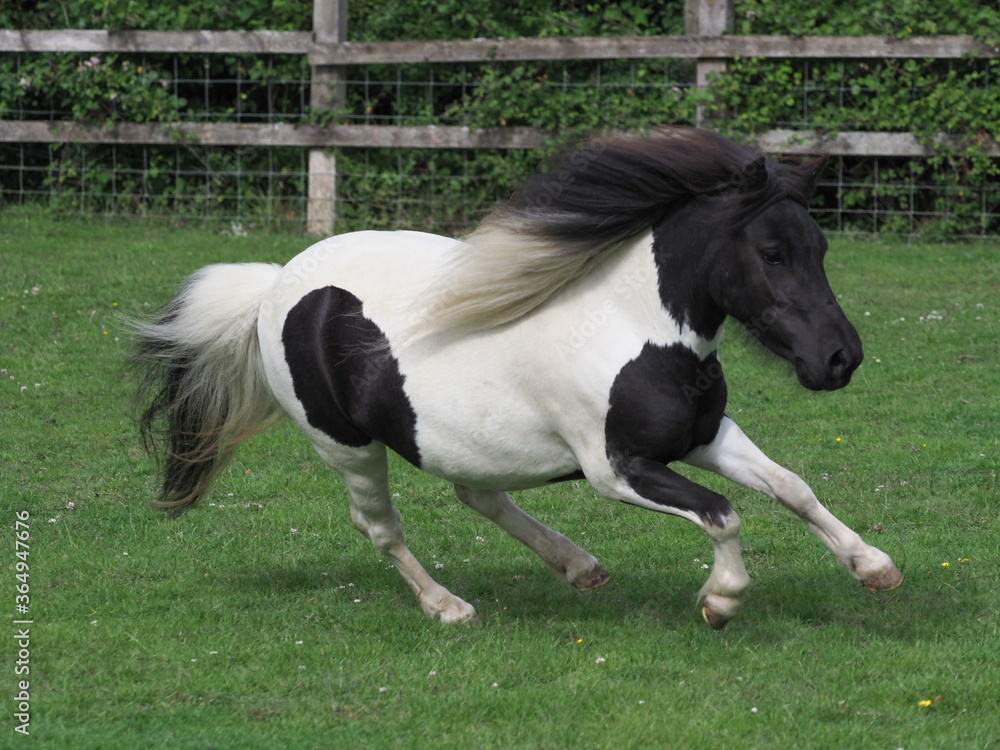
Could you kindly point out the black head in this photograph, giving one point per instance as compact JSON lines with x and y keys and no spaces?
{"x":769,"y":275}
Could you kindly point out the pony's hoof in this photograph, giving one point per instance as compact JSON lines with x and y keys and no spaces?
{"x":714,"y":619}
{"x":450,"y":610}
{"x":886,"y":580}
{"x":592,"y":579}
{"x":718,"y":609}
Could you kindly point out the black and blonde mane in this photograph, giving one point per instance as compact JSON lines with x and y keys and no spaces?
{"x":587,"y":200}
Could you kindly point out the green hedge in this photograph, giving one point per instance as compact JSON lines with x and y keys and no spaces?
{"x":956,"y":192}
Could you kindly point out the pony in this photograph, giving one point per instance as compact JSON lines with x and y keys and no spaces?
{"x":573,"y":335}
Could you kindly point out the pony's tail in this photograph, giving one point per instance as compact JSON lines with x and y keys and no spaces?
{"x":204,"y":390}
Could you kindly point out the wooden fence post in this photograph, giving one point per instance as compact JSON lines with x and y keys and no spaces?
{"x":707,"y":18}
{"x":326,"y":92}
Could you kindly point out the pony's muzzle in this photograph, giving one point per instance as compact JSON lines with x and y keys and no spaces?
{"x":834,"y":372}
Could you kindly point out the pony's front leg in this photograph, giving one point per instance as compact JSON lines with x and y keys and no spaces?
{"x":650,"y":484}
{"x":733,"y":455}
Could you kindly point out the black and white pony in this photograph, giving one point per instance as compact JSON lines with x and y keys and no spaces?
{"x":574,"y":335}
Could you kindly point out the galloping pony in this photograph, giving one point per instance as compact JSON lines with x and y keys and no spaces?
{"x":574,"y":335}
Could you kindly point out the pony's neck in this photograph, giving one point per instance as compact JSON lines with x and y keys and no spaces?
{"x":679,"y":246}
{"x":629,"y":282}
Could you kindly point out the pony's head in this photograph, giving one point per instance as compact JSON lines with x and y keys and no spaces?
{"x":767,"y":272}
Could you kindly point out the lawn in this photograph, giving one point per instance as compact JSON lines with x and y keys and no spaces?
{"x":262,"y":619}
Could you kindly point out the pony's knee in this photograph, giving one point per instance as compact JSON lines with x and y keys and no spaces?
{"x":360,"y":522}
{"x":793,"y":492}
{"x":723,"y":524}
{"x":384,"y":533}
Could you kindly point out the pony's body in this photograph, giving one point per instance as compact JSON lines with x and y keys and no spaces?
{"x":534,"y":353}
{"x":458,"y":383}
{"x":494,"y":410}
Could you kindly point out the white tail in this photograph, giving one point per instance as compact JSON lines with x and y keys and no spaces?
{"x":205,"y":376}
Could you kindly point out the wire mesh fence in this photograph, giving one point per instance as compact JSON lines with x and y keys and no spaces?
{"x":449,"y":191}
{"x":250,"y":188}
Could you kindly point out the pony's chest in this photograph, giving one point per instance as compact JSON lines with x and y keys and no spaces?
{"x":664,"y":403}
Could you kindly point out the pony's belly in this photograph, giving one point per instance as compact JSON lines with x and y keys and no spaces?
{"x":499,"y":467}
{"x":483,"y":418}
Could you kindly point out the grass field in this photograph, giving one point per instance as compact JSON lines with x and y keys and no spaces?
{"x":261,"y":619}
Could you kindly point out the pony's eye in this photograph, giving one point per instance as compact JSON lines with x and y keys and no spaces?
{"x":772,"y":257}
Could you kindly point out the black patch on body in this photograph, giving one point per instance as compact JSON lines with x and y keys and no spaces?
{"x":663,"y":404}
{"x":348,"y":382}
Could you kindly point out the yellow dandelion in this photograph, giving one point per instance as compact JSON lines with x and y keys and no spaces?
{"x":925,"y":704}
{"x":945,"y":565}
{"x":838,"y":440}
{"x":579,"y":640}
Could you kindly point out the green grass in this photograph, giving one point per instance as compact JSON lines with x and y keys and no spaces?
{"x":224,"y":629}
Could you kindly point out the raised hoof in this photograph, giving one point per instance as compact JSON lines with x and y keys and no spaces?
{"x":593,"y":579}
{"x":714,"y":619}
{"x":886,"y":581}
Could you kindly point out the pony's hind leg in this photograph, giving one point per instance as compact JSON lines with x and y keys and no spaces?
{"x":564,"y":558}
{"x":365,"y":473}
{"x":733,"y":455}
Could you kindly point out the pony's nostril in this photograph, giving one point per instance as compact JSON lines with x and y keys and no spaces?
{"x":838,"y":363}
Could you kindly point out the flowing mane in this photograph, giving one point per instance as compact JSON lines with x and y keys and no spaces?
{"x":585,"y":201}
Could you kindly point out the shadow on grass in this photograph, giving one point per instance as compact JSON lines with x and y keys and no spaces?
{"x":775,"y":609}
{"x":525,"y":590}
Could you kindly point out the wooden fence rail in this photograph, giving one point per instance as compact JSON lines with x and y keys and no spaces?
{"x":849,"y":143}
{"x":487,"y":50}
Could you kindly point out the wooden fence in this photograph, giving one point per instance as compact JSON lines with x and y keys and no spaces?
{"x":705,"y":41}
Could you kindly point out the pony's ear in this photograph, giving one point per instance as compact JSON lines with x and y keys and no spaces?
{"x":809,"y":172}
{"x":753,"y":175}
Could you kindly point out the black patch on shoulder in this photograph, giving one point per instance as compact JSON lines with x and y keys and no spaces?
{"x":663,"y":404}
{"x":348,"y":383}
